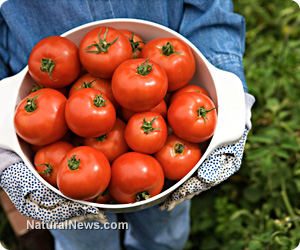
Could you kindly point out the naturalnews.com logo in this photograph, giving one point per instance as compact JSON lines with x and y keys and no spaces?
{"x":90,"y":225}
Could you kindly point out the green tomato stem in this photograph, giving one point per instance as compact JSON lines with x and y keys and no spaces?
{"x":101,"y":138}
{"x":31,"y":104}
{"x":144,"y":195}
{"x":147,"y":126}
{"x":47,"y":66}
{"x":168,"y":49}
{"x":202,"y":112}
{"x":36,"y":87}
{"x":47,"y":171}
{"x":102,"y":46}
{"x":99,"y":101}
{"x":134,"y":45}
{"x":145,"y":68}
{"x":178,"y":148}
{"x":73,"y":164}
{"x":86,"y":85}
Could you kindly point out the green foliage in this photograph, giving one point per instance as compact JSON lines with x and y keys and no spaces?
{"x":259,"y":207}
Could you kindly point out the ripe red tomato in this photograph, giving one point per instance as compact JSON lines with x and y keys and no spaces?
{"x":146,"y":132}
{"x":112,"y":144}
{"x":89,"y":113}
{"x":47,"y":160}
{"x":89,"y":81}
{"x":54,"y":62}
{"x":175,"y":57}
{"x":178,"y":157}
{"x":136,"y":42}
{"x":188,"y":88}
{"x":135,"y":177}
{"x":40,"y":117}
{"x":84,"y":173}
{"x":160,"y":108}
{"x":102,"y":50}
{"x":139,"y":85}
{"x":193,"y":117}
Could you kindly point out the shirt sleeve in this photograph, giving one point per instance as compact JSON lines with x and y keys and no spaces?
{"x":4,"y":56}
{"x":217,"y":32}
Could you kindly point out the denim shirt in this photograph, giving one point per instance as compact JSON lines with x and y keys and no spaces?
{"x":210,"y":25}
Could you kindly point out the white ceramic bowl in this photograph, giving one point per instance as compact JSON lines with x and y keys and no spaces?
{"x":225,"y":89}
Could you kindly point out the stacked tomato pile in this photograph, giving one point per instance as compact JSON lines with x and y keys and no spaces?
{"x":110,"y":121}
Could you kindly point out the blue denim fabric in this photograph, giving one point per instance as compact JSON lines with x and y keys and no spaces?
{"x":209,"y":24}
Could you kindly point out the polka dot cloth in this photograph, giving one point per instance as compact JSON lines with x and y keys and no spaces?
{"x":219,"y":165}
{"x":33,"y":199}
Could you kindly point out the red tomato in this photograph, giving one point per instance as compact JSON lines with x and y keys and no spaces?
{"x":89,"y":113}
{"x":139,"y":85}
{"x":84,"y":173}
{"x":178,"y":157}
{"x":136,"y":42}
{"x":112,"y":144}
{"x":54,"y":62}
{"x":175,"y":57}
{"x":189,"y":88}
{"x":193,"y":117}
{"x":40,"y":117}
{"x":135,"y":177}
{"x":47,"y":160}
{"x":103,"y":198}
{"x":102,"y":50}
{"x":89,"y":81}
{"x":161,"y":108}
{"x":146,"y":132}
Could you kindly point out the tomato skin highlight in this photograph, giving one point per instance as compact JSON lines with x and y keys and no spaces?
{"x":113,"y":143}
{"x":177,"y":164}
{"x":46,"y":124}
{"x":179,"y":66}
{"x":184,"y":119}
{"x":52,"y":155}
{"x":146,"y":142}
{"x":138,"y":92}
{"x":87,"y":120}
{"x":133,"y":173}
{"x":89,"y":180}
{"x":63,"y":53}
{"x":103,"y":64}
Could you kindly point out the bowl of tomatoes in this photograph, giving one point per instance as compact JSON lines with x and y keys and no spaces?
{"x":124,"y":118}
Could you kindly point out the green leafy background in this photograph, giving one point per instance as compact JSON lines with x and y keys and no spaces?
{"x":259,"y":207}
